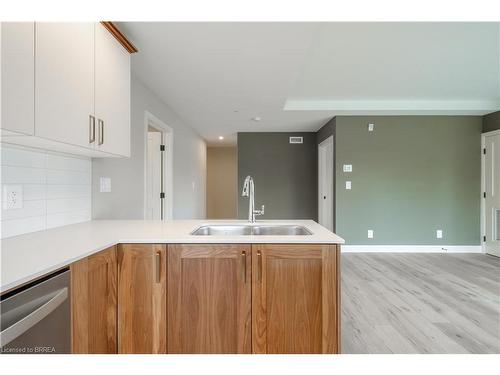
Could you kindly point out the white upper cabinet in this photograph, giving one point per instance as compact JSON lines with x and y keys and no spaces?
{"x":112,"y":94}
{"x":64,"y":82}
{"x":17,"y":77}
{"x":65,"y":87}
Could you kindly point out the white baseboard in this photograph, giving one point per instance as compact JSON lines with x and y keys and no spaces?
{"x":410,"y":249}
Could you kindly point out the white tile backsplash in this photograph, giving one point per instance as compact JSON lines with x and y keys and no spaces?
{"x":65,"y":218}
{"x":68,"y":191}
{"x":20,"y":226}
{"x":23,"y":175}
{"x":66,"y":177}
{"x":56,"y":189}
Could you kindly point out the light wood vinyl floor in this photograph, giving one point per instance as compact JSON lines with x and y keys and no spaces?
{"x":420,"y":303}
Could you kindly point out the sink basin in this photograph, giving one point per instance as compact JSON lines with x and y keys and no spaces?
{"x":255,"y":230}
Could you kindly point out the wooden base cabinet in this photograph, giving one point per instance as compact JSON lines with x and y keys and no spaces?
{"x":142,"y":293}
{"x":295,"y":301}
{"x":209,"y":298}
{"x":94,"y":303}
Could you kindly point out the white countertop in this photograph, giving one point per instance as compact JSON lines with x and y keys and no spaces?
{"x":29,"y":256}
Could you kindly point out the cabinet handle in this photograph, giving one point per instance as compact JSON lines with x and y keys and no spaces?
{"x":244,"y":265}
{"x":91,"y":129}
{"x":158,"y":266}
{"x":101,"y":131}
{"x":259,"y":265}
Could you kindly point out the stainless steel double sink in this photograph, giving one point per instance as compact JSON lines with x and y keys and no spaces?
{"x":251,"y":230}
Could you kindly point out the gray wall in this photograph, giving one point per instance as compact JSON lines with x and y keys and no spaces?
{"x":285,"y":174}
{"x":411,"y":176}
{"x":126,"y":201}
{"x":491,"y":122}
{"x":222,"y":182}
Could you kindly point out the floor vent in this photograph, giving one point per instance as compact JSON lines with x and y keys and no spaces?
{"x":296,"y":140}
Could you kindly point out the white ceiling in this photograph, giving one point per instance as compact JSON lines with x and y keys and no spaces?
{"x":296,"y":76}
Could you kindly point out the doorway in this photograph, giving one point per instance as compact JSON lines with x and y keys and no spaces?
{"x":222,"y":183}
{"x":158,"y":169}
{"x":325,"y":183}
{"x":491,"y":192}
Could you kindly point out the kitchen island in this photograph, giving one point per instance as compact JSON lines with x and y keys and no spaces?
{"x":154,"y":287}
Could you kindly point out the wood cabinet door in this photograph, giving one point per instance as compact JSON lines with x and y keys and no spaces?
{"x":64,"y":81}
{"x":94,"y":303}
{"x":142,"y":315}
{"x":18,"y":77}
{"x":209,"y":298}
{"x":112,"y":93}
{"x":295,"y":301}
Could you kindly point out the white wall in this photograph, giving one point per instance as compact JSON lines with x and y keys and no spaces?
{"x":126,"y":200}
{"x":56,"y":189}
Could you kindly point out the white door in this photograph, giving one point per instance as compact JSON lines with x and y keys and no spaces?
{"x":492,"y":190}
{"x":154,"y":177}
{"x":64,"y":82}
{"x":112,"y":94}
{"x":325,"y":183}
{"x":18,"y":76}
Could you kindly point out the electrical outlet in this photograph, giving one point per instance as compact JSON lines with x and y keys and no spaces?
{"x":370,"y":233}
{"x":348,"y":185}
{"x":12,"y":197}
{"x":439,"y":233}
{"x":370,"y":127}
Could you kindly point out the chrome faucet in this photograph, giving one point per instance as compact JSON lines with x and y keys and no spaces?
{"x":249,"y":191}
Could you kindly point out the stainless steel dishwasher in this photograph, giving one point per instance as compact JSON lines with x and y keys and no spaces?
{"x":36,"y":319}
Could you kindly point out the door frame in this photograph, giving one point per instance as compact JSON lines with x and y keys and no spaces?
{"x":168,"y":164}
{"x":483,"y":186}
{"x":321,"y":148}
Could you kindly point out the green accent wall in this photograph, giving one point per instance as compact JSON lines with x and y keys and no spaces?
{"x":411,"y":176}
{"x":491,"y":122}
{"x":285,"y":175}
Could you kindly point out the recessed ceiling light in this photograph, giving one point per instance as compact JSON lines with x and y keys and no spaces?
{"x":257,"y":119}
{"x":221,"y":137}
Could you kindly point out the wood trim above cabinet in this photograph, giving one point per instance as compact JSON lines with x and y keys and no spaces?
{"x":119,"y":36}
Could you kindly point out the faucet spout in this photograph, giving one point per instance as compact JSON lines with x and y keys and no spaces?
{"x":249,"y":191}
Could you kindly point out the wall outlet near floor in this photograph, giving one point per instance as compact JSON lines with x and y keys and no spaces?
{"x":370,"y":233}
{"x":12,"y":197}
{"x":439,"y":233}
{"x":348,"y":185}
{"x":347,"y":168}
{"x":105,"y":185}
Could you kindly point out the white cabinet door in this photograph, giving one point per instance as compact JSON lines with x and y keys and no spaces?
{"x":64,"y":82}
{"x":112,"y":94}
{"x":18,"y":80}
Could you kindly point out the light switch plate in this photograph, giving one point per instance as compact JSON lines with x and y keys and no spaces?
{"x":105,"y":185}
{"x":370,"y":233}
{"x":439,"y":233}
{"x":12,"y":197}
{"x":370,"y":127}
{"x":347,"y":168}
{"x":348,"y":185}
